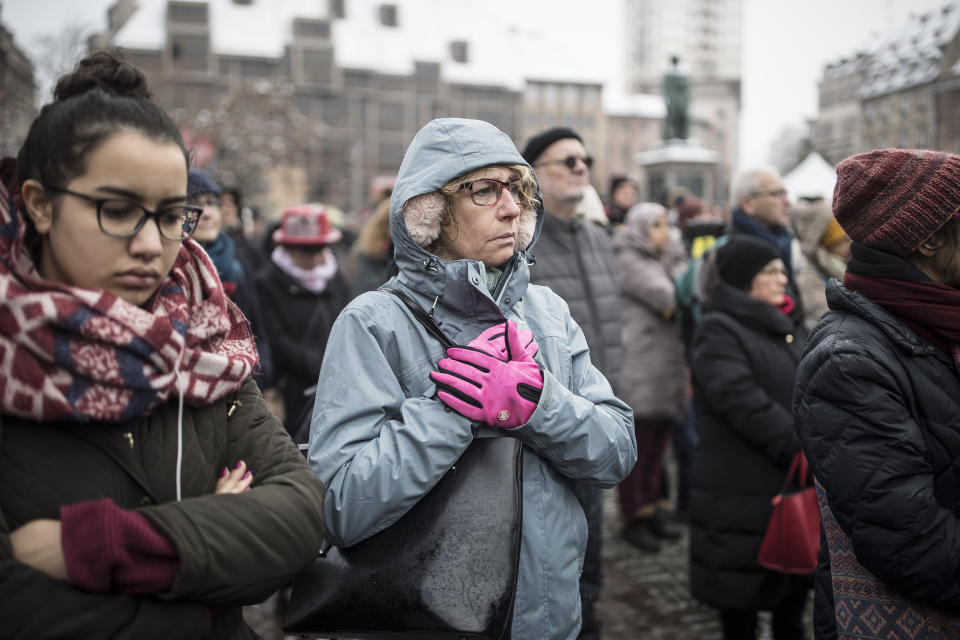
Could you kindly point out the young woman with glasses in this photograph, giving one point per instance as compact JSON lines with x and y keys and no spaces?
{"x":395,"y":411}
{"x":145,"y":491}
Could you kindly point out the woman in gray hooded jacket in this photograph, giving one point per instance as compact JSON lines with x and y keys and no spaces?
{"x":382,"y":436}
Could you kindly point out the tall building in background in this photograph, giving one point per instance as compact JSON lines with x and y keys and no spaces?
{"x":704,"y":34}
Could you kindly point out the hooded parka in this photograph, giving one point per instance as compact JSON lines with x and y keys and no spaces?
{"x":381,"y":439}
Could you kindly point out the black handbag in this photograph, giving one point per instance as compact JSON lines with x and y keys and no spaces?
{"x":447,"y":569}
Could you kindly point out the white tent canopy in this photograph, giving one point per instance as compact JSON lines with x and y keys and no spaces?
{"x":813,"y":177}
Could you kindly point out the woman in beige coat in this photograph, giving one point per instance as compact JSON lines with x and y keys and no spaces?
{"x":652,"y":377}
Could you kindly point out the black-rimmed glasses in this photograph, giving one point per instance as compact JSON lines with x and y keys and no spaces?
{"x":570,"y":162}
{"x":122,"y":218}
{"x":486,"y":192}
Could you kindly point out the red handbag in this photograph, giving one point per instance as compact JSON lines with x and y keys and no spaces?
{"x":792,"y":539}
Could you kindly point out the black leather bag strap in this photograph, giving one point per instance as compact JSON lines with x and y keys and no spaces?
{"x":425,"y":318}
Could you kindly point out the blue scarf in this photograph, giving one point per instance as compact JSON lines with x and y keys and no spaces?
{"x":780,"y":237}
{"x":224,"y":255}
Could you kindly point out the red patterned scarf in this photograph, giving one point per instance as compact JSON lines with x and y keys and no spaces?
{"x":68,"y":353}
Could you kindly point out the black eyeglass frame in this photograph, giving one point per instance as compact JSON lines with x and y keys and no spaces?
{"x":570,"y":162}
{"x":147,"y":213}
{"x":503,"y":185}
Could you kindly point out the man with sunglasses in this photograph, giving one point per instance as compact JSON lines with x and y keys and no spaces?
{"x":574,"y":259}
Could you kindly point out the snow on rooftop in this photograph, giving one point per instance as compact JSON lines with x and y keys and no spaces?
{"x":911,"y":56}
{"x":507,"y":41}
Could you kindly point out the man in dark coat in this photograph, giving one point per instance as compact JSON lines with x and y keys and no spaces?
{"x":574,"y":258}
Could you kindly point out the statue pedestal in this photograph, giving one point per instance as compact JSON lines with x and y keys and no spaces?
{"x":679,"y":163}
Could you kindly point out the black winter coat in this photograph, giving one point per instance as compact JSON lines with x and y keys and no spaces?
{"x":297,"y":323}
{"x":745,"y":354}
{"x":878,"y":410}
{"x":575,"y":259}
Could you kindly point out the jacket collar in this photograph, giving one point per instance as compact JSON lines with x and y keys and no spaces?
{"x":840,"y":298}
{"x":749,"y":310}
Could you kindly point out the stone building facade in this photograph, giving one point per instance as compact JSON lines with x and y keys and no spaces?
{"x":17,"y":93}
{"x":904,"y":92}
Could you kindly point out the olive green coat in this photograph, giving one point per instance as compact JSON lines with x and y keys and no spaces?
{"x":233,"y":549}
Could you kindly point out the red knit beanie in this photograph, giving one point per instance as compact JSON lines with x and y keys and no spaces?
{"x":901,"y":196}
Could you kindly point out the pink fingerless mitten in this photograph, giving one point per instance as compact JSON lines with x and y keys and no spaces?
{"x":487,"y":389}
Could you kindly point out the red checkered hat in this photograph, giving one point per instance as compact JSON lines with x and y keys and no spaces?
{"x":306,"y":224}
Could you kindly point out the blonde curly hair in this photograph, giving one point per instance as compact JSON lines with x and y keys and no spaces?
{"x":425,"y":215}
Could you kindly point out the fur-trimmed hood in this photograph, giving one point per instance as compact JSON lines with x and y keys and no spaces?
{"x":442,"y":150}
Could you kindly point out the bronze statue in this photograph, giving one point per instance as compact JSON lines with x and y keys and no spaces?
{"x":676,"y":95}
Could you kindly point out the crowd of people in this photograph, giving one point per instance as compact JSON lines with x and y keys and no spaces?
{"x":158,"y":363}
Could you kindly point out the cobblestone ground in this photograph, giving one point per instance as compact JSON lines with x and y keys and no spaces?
{"x":646,"y":596}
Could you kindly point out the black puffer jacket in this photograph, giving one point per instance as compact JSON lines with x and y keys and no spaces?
{"x":745,"y":354}
{"x":878,"y":410}
{"x":575,"y":259}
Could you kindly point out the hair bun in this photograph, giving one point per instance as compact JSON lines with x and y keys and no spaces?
{"x":106,"y":70}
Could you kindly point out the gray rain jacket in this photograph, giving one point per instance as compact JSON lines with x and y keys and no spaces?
{"x":380,"y":439}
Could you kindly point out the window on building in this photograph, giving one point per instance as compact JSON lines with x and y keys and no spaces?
{"x":427,"y":74}
{"x":591,"y":96}
{"x":356,"y":79}
{"x":189,"y":52}
{"x":906,"y":102}
{"x":459,"y":51}
{"x":534,"y":92}
{"x":923,"y":101}
{"x":923,"y":139}
{"x":243,"y":2}
{"x":550,"y":95}
{"x":304,"y":28}
{"x":187,"y":12}
{"x":388,"y":15}
{"x":571,"y":95}
{"x":317,"y":66}
{"x":391,"y":116}
{"x":391,"y":155}
{"x":338,"y":8}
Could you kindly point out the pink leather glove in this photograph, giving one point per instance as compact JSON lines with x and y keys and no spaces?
{"x":492,"y":342}
{"x":481,"y":387}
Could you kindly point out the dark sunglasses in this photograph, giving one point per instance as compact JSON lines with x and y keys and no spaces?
{"x":570,"y":162}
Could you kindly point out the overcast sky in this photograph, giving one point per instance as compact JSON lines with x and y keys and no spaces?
{"x":786,"y":43}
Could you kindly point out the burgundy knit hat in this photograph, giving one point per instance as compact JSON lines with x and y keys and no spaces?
{"x":901,"y":196}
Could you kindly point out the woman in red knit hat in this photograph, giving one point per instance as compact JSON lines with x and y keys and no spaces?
{"x":877,"y":403}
